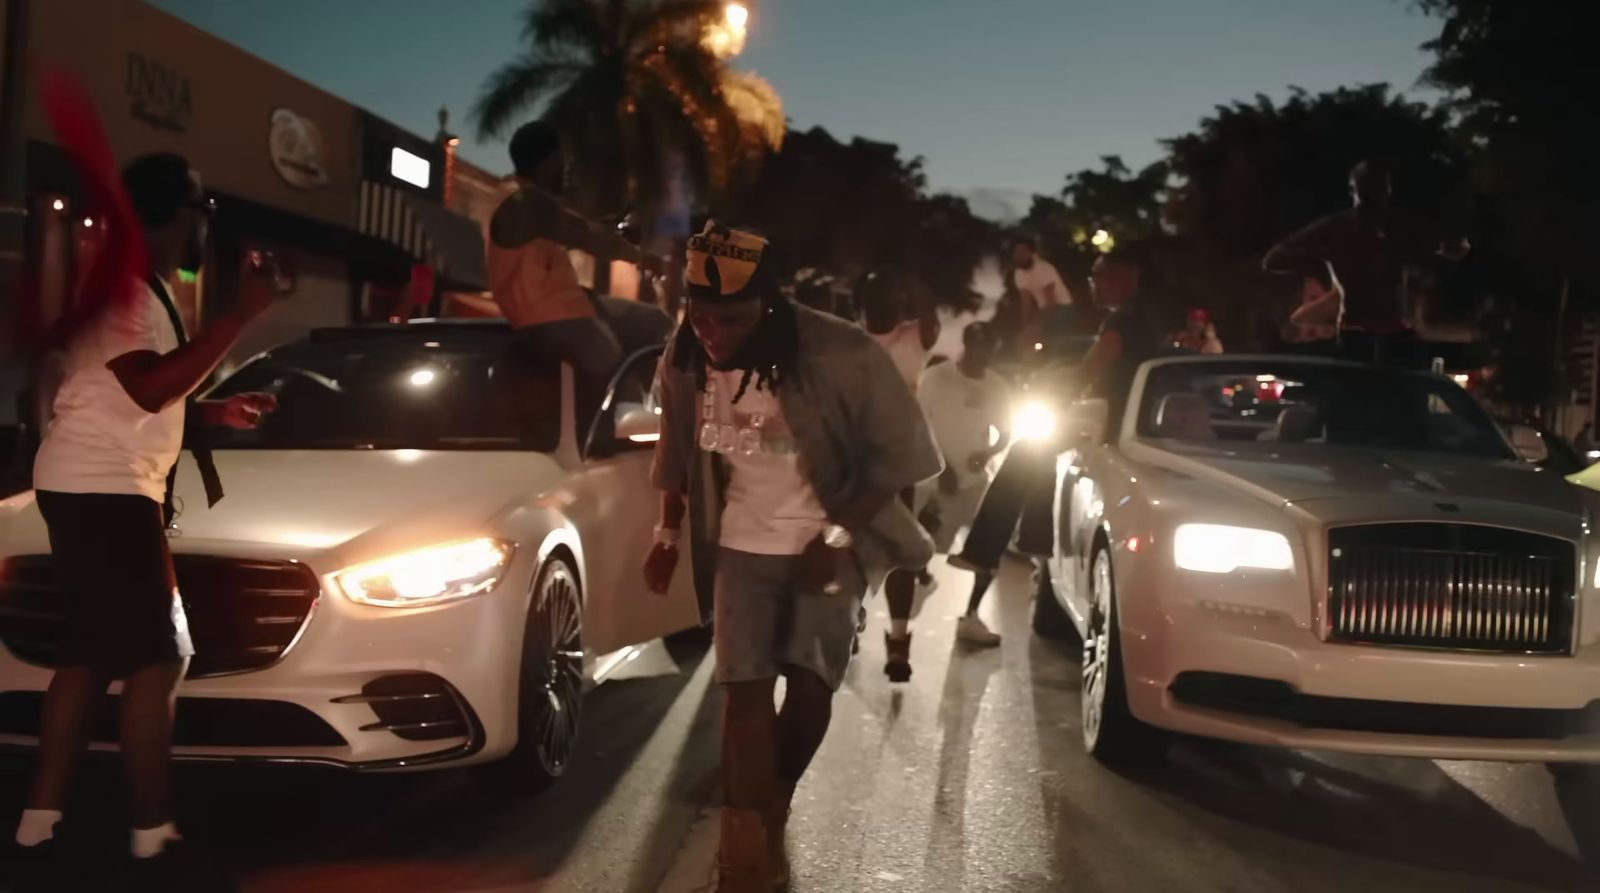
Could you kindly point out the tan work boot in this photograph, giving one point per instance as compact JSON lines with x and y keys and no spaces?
{"x":777,"y":827}
{"x":742,"y":856}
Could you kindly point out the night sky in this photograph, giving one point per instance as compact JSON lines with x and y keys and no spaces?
{"x":1002,"y":97}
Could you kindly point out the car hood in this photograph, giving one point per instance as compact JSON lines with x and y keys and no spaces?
{"x":303,"y":504}
{"x":1336,"y":483}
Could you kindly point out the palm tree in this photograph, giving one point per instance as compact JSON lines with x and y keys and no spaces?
{"x":635,"y":91}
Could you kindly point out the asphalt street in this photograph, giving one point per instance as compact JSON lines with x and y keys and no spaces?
{"x":971,"y":778}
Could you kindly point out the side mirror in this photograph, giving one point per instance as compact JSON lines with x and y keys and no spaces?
{"x":637,"y":424}
{"x":1529,"y":444}
{"x":1087,"y":421}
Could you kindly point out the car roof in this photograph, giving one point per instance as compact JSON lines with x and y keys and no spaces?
{"x":458,"y":331}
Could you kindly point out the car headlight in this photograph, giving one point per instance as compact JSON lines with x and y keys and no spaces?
{"x":428,"y":576}
{"x":1223,"y":549}
{"x":1034,"y":420}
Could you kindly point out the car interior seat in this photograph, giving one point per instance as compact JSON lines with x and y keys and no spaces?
{"x":1184,"y":417}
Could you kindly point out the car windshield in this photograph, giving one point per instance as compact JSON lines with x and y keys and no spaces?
{"x":1330,"y":404}
{"x":399,"y":388}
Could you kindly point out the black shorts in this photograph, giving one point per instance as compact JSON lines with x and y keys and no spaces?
{"x":122,"y":609}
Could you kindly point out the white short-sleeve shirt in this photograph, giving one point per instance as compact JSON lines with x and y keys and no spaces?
{"x":961,"y":411}
{"x":98,"y":439}
{"x":771,"y":508}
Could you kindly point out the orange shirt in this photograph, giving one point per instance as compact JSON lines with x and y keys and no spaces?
{"x":534,"y":282}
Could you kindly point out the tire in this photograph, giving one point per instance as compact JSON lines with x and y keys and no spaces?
{"x":1111,"y":734}
{"x":550,"y":690}
{"x":1050,"y":620}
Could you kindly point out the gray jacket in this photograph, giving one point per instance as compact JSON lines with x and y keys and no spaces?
{"x":857,"y":427}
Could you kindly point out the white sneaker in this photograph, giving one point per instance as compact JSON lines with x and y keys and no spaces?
{"x":971,"y":630}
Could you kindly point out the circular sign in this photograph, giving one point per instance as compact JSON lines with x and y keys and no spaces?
{"x":297,"y":149}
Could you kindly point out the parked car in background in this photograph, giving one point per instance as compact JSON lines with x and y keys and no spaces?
{"x":417,"y":564}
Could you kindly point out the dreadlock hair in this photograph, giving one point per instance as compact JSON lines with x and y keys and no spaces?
{"x":768,"y":356}
{"x":877,"y":295}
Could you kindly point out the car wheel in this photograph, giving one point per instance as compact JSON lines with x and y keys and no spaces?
{"x":1050,"y":620}
{"x":1111,"y":734}
{"x":550,"y":700}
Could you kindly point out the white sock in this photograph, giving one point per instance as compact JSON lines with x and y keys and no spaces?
{"x":149,"y":842}
{"x":899,"y":629}
{"x":37,"y":826}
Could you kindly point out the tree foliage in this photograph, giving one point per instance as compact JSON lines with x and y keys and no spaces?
{"x":1256,"y":171}
{"x":1125,"y":204}
{"x":634,"y":90}
{"x":1522,"y":78}
{"x":850,"y":207}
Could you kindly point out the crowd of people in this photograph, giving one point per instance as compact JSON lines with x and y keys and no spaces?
{"x":814,"y":451}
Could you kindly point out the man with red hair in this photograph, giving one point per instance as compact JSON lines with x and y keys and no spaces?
{"x":103,"y":476}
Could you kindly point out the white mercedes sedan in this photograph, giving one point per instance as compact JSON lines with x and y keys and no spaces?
{"x":417,"y":563}
{"x":1317,"y":554}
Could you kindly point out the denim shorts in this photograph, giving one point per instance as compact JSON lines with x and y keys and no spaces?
{"x":766,"y":623}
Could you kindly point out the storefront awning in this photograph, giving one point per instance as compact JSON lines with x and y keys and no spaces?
{"x":241,"y":220}
{"x":429,"y":232}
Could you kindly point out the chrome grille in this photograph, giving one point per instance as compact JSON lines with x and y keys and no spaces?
{"x":1451,"y":586}
{"x":243,"y":614}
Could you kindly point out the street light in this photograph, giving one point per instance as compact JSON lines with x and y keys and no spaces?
{"x":725,"y":39}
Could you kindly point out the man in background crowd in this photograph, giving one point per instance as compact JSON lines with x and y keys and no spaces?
{"x":1046,"y":303}
{"x":1198,"y":334}
{"x":1364,"y":254}
{"x":1020,"y":499}
{"x":969,"y":409}
{"x":907,"y":330}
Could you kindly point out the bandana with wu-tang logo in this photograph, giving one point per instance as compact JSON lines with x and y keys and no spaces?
{"x":723,"y":264}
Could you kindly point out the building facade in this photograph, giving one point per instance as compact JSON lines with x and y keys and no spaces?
{"x":352,"y":203}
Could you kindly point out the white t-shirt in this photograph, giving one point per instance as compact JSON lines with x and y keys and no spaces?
{"x":99,"y":440}
{"x":961,"y":410}
{"x":771,"y":509}
{"x":904,"y":344}
{"x":1042,"y":284}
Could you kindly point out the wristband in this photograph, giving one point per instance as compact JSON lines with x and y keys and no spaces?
{"x":668,"y":537}
{"x":835,"y":536}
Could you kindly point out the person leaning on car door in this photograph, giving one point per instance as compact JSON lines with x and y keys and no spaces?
{"x":102,"y":477}
{"x":1020,"y":499}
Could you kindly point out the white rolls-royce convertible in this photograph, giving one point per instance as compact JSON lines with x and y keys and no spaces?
{"x":1317,"y":554}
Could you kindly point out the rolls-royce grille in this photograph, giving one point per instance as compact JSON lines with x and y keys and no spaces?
{"x":243,"y":614}
{"x":1451,"y":586}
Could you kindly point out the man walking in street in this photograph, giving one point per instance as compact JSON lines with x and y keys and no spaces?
{"x":907,"y":333}
{"x":102,"y":476}
{"x":1020,"y":498}
{"x":786,"y":437}
{"x":532,"y":276}
{"x":969,"y":408}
